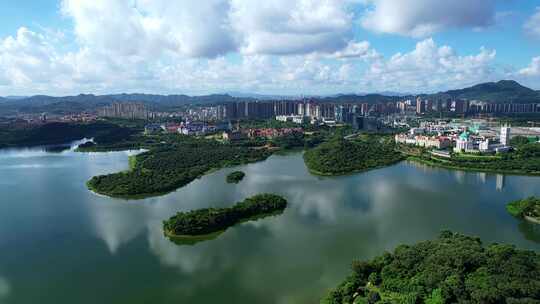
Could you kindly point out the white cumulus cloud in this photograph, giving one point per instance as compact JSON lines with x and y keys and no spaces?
{"x":430,"y":67}
{"x":533,"y":69}
{"x":532,"y":26}
{"x":285,"y":27}
{"x":273,"y":46}
{"x":29,"y":59}
{"x":212,"y":27}
{"x":355,"y":49}
{"x":420,"y":18}
{"x":144,"y":27}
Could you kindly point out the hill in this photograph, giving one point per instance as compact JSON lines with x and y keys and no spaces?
{"x":451,"y":269}
{"x":340,"y":156}
{"x":504,"y":91}
{"x":90,"y":102}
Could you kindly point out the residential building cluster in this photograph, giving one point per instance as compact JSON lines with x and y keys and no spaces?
{"x":129,"y":110}
{"x":252,"y":133}
{"x":316,"y":111}
{"x":187,"y":128}
{"x":271,"y":132}
{"x":34,"y":120}
{"x":457,"y":139}
{"x":300,"y":111}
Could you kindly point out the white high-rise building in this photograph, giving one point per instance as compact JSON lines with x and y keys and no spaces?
{"x":484,"y":145}
{"x":505,"y":135}
{"x":302,"y":109}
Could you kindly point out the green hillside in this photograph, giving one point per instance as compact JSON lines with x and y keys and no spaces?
{"x":504,"y":91}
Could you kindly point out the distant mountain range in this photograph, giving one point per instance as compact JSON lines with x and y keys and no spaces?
{"x":505,"y":91}
{"x":90,"y":102}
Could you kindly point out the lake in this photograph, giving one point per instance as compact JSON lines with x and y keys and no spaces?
{"x":60,"y":243}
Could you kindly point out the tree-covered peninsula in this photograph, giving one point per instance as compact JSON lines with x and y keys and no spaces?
{"x":168,"y":167}
{"x":528,"y":209}
{"x":235,"y":177}
{"x":104,"y":132}
{"x":451,"y":269}
{"x":341,"y":156}
{"x":210,"y":220}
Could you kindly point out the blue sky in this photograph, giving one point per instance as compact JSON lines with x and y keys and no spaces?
{"x":273,"y":47}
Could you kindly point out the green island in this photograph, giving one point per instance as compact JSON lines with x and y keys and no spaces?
{"x":340,"y":156}
{"x":235,"y":177}
{"x":528,"y":209}
{"x":212,"y":221}
{"x":451,"y":269}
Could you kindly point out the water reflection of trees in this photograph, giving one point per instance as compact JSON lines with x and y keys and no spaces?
{"x":530,"y":231}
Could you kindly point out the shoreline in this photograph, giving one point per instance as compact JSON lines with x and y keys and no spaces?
{"x":187,"y":237}
{"x":132,"y":162}
{"x":126,"y":197}
{"x":192,"y":239}
{"x":322,"y":174}
{"x":457,"y":168}
{"x":531,"y":219}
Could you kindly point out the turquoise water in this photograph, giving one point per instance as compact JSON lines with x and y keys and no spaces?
{"x":60,"y":243}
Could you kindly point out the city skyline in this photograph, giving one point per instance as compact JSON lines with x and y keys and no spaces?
{"x":279,"y":47}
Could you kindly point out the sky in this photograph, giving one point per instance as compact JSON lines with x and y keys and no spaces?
{"x":278,"y":47}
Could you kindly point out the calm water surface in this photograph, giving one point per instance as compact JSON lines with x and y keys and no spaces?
{"x":59,"y":243}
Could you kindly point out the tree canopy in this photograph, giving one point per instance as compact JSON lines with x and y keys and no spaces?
{"x":168,"y":167}
{"x":210,"y":220}
{"x":341,"y":156}
{"x":526,"y":207}
{"x":451,"y":269}
{"x":235,"y":177}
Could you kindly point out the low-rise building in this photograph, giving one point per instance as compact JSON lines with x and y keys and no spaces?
{"x":271,"y":132}
{"x":438,"y":142}
{"x":298,"y":119}
{"x":233,"y":135}
{"x":152,"y":129}
{"x":464,"y":143}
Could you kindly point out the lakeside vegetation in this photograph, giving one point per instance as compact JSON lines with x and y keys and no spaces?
{"x":525,"y":159}
{"x":528,"y":208}
{"x":235,"y":177}
{"x":342,"y":156}
{"x":169,"y":166}
{"x":173,"y":160}
{"x":54,"y":133}
{"x":208,"y":221}
{"x":451,"y":269}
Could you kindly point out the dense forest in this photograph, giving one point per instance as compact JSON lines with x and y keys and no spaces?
{"x":210,"y":220}
{"x":451,"y":269}
{"x":524,"y":160}
{"x":59,"y":133}
{"x":235,"y":177}
{"x":529,"y":207}
{"x":341,"y":156}
{"x":167,"y":167}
